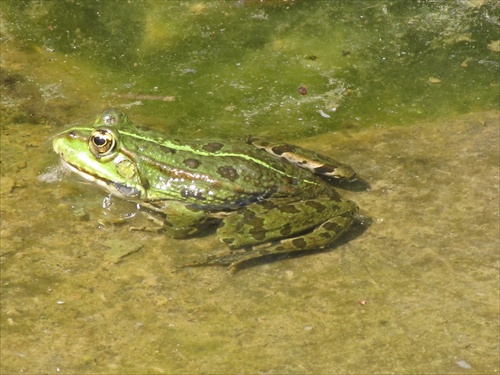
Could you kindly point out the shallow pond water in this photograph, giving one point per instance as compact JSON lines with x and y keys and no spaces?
{"x":413,"y":290}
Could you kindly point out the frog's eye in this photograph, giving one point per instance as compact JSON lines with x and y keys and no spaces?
{"x":102,"y":142}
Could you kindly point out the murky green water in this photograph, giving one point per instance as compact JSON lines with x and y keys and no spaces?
{"x":416,"y":292}
{"x":364,"y":63}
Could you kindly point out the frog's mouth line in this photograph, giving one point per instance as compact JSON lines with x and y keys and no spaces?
{"x":85,"y":175}
{"x":114,"y":188}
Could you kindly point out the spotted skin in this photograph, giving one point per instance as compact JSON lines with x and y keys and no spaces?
{"x":213,"y":146}
{"x":192,"y":163}
{"x":307,"y":159}
{"x":228,"y":172}
{"x":266,"y":198}
{"x":319,"y":237}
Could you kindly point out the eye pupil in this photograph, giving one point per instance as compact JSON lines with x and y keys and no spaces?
{"x":98,"y":141}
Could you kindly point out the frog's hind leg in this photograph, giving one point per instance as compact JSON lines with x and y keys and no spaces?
{"x":321,"y":235}
{"x":319,"y":238}
{"x":307,"y":159}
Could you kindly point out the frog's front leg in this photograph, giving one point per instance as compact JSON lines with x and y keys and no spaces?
{"x":178,"y":219}
{"x":272,"y":228}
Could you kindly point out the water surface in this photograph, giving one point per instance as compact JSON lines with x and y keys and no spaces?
{"x":405,"y":93}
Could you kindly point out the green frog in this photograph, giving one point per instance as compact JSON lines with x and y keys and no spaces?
{"x":265,"y":198}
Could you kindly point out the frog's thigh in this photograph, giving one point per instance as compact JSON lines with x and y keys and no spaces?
{"x":320,"y":237}
{"x":316,"y":163}
{"x":272,"y":220}
{"x":181,"y":220}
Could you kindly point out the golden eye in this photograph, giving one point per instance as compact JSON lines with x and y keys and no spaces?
{"x":102,"y":142}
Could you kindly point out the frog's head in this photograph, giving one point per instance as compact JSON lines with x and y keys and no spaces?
{"x":97,"y":154}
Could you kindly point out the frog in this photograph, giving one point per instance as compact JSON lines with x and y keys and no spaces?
{"x":263,"y":198}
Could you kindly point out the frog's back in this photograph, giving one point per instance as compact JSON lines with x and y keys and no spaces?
{"x":219,"y":173}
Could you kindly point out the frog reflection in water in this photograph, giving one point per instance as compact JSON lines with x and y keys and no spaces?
{"x":268,"y":198}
